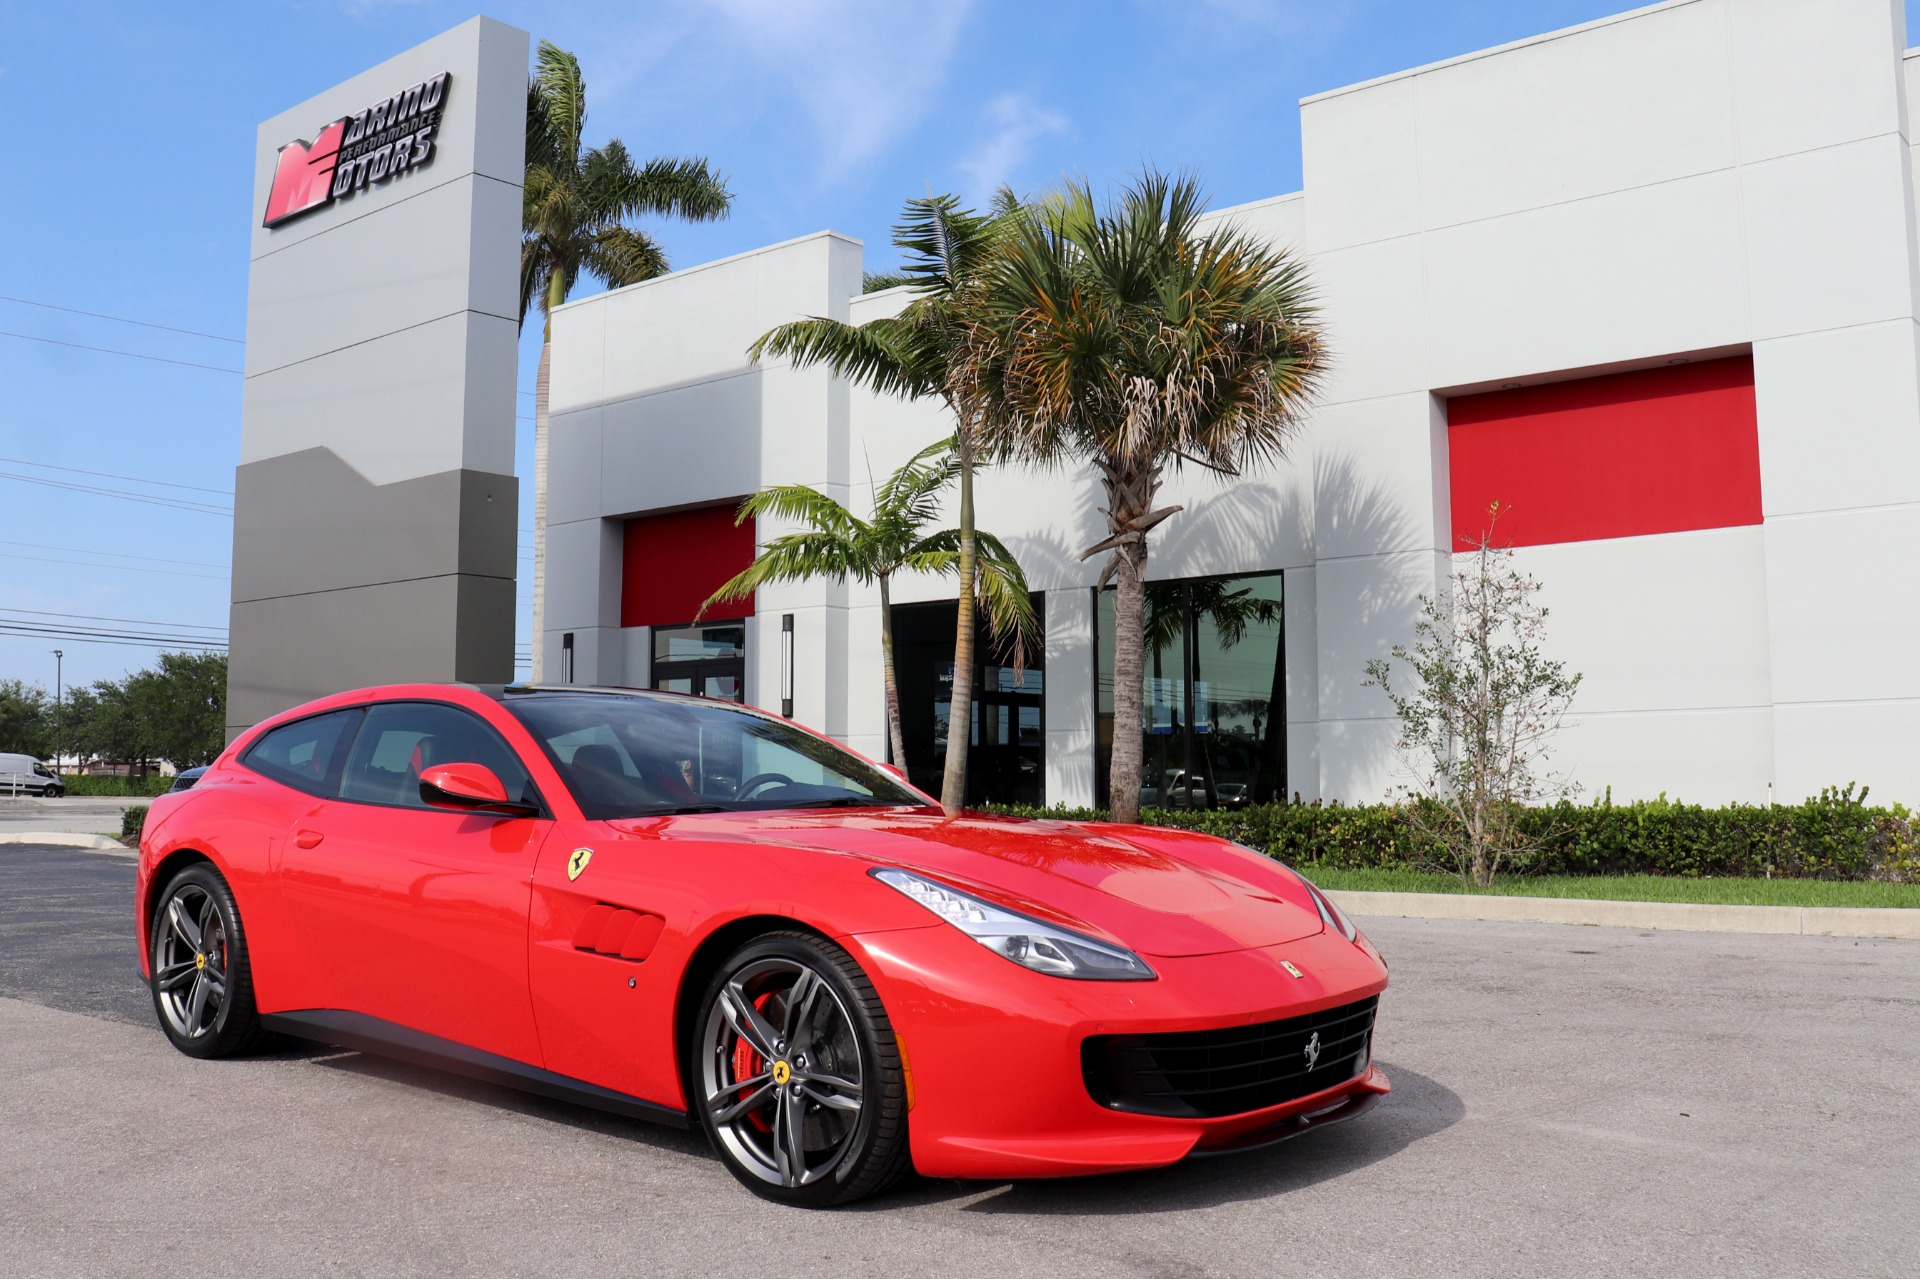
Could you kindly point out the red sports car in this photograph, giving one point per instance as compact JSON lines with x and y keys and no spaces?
{"x":692,"y":912}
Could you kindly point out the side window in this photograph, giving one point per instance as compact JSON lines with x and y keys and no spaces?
{"x":400,"y":740}
{"x":306,"y":753}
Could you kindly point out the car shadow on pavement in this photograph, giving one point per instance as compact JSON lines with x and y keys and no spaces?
{"x":497,"y":1097}
{"x":1418,"y":1107}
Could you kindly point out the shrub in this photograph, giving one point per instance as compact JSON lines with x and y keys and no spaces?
{"x":132,"y":822}
{"x":116,"y":787}
{"x":1836,"y":835}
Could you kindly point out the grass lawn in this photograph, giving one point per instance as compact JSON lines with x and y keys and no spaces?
{"x":1633,"y":888}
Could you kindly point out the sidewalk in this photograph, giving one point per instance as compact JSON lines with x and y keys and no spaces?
{"x":1826,"y":921}
{"x":23,"y":820}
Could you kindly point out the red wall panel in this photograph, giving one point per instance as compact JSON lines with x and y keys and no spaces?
{"x":1652,"y":451}
{"x":674,"y":561}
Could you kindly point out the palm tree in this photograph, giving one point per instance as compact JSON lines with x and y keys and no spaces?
{"x":1136,"y":340}
{"x":572,"y":220}
{"x":913,"y":355}
{"x":837,"y":545}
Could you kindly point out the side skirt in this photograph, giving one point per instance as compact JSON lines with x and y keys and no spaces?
{"x":362,"y":1033}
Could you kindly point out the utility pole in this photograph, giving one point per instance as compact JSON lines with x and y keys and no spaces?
{"x":59,"y":719}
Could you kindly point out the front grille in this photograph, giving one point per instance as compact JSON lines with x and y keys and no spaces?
{"x":1208,"y":1073}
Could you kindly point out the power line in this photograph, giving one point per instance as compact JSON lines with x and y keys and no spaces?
{"x":75,"y":636}
{"x":56,"y":630}
{"x":109,"y":475}
{"x":132,"y":621}
{"x":102,"y":315}
{"x":108,"y":350}
{"x":131,"y":568}
{"x":124,"y":555}
{"x":151,"y":499}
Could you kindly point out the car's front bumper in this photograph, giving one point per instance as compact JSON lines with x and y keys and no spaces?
{"x":994,"y":1050}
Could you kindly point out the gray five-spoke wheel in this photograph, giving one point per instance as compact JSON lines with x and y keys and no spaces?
{"x":191,"y":962}
{"x":782,"y":1072}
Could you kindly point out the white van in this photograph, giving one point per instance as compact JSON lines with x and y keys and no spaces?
{"x":25,"y":775}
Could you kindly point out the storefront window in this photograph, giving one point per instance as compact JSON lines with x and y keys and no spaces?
{"x":1215,"y":693}
{"x":1006,"y":755}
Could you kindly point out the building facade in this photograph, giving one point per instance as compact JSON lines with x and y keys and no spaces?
{"x":1652,"y":284}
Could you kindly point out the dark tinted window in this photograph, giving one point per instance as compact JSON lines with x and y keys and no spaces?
{"x":638,"y":755}
{"x":305,"y":754}
{"x":402,"y":739}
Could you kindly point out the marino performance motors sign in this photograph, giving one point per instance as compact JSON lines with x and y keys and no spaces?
{"x":386,"y":139}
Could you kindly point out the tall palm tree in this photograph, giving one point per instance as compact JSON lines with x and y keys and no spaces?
{"x":838,"y":545}
{"x":1136,"y":340}
{"x":573,"y":220}
{"x":913,"y":355}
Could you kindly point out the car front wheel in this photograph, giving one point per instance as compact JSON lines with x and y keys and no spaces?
{"x":202,"y":984}
{"x":798,"y":1076}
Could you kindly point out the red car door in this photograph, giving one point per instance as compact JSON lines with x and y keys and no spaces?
{"x":418,"y":915}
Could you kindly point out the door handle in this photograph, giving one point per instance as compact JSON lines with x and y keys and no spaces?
{"x":307,"y":838}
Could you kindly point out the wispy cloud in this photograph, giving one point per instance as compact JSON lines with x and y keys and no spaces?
{"x":1014,"y":125}
{"x":863,"y":71}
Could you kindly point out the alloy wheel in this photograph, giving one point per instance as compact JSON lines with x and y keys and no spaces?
{"x":191,"y":962}
{"x":782,"y":1072}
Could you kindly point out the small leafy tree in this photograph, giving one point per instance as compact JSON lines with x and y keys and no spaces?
{"x":838,"y":545}
{"x":26,"y":718}
{"x":1478,"y":703}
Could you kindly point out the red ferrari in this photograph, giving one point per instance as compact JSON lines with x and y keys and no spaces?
{"x":692,"y":912}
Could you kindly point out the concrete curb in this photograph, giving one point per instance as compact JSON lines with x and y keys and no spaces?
{"x":1821,"y":921}
{"x":65,"y":839}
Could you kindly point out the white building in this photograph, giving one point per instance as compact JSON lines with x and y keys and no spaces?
{"x":1714,"y":198}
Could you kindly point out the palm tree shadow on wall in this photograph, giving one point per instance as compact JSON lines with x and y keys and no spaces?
{"x":1356,"y":614}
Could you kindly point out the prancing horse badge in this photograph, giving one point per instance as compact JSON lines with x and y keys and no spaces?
{"x":578,"y":862}
{"x":1285,"y":963}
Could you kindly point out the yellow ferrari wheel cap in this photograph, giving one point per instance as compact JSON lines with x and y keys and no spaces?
{"x":782,"y":1072}
{"x":578,"y":862}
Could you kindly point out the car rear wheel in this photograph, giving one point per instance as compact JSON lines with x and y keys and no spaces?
{"x":797,"y":1074}
{"x":202,"y":985}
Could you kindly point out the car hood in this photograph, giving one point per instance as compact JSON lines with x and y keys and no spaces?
{"x":1199,"y":897}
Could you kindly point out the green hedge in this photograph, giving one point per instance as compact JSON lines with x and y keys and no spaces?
{"x":116,"y":787}
{"x":1836,"y":836}
{"x":132,"y":821}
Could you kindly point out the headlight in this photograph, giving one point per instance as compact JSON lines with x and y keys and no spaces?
{"x":1028,"y":942}
{"x":1330,"y":914}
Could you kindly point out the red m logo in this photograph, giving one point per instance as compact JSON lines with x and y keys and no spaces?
{"x":303,"y":179}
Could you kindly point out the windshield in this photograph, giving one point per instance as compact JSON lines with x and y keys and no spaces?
{"x":634,"y":755}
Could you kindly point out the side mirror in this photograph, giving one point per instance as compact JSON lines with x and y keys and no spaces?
{"x":472,"y":787}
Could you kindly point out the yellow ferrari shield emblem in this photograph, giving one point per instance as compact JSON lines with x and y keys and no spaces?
{"x":782,"y":1072}
{"x":578,"y":862}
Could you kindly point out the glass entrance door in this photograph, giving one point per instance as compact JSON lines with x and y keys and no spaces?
{"x":709,"y":660}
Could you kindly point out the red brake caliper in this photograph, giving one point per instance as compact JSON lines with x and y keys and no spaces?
{"x":747,"y":1063}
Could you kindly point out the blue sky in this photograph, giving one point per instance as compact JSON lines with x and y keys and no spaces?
{"x":127,"y":192}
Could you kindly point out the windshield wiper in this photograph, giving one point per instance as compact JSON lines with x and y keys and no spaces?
{"x":844,"y":801}
{"x":682,"y":811}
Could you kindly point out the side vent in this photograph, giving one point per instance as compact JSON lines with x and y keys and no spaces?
{"x":618,"y":932}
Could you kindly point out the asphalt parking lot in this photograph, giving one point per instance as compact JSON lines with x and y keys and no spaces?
{"x":1567,"y":1101}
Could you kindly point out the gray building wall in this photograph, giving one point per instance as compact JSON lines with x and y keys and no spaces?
{"x":375,"y":507}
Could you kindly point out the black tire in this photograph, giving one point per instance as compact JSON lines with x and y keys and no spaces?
{"x":844,"y":1051}
{"x":201,"y":980}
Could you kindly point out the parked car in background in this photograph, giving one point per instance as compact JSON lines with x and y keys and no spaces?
{"x":25,"y":775}
{"x":185,"y":778}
